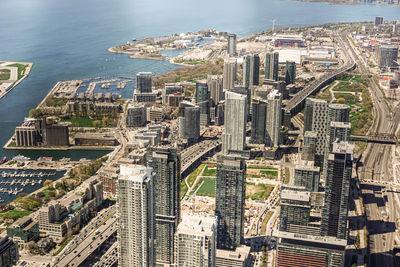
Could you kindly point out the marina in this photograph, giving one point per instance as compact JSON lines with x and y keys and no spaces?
{"x":15,"y":182}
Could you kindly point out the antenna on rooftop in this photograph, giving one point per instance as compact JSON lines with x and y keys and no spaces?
{"x":273,"y":25}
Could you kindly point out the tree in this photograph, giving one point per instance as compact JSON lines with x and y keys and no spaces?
{"x":48,"y":183}
{"x":35,"y":113}
{"x":340,"y":100}
{"x":96,"y":123}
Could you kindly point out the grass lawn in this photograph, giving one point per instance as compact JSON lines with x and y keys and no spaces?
{"x":265,"y":222}
{"x":82,"y":122}
{"x":287,"y":175}
{"x":258,"y":191}
{"x":349,"y":98}
{"x":260,"y":167}
{"x":15,"y":214}
{"x":184,"y":189}
{"x":210,"y":170}
{"x":5,"y":74}
{"x":270,"y":173}
{"x":62,"y":246}
{"x":192,"y":177}
{"x":21,"y":69}
{"x":207,"y":187}
{"x":325,"y":95}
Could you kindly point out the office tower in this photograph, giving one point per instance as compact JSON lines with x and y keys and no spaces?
{"x":202,"y":98}
{"x":258,"y":121}
{"x":307,"y":176}
{"x":274,"y":118}
{"x":295,"y":209}
{"x":167,"y":176}
{"x":189,"y":121}
{"x":272,"y":66}
{"x":386,"y":56}
{"x":290,"y":72}
{"x":143,"y":82}
{"x":230,"y":70}
{"x":234,"y":135}
{"x":251,"y":70}
{"x":334,"y":214}
{"x":378,"y":21}
{"x":230,"y":199}
{"x":308,"y":152}
{"x":231,"y":45}
{"x":316,"y":117}
{"x":135,"y":205}
{"x":339,"y":112}
{"x":195,"y":241}
{"x":296,"y":250}
{"x":215,"y":83}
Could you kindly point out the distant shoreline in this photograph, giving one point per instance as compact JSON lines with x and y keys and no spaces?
{"x":18,"y":81}
{"x":346,"y":2}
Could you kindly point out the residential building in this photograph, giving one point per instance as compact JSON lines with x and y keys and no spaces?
{"x":251,"y":70}
{"x":230,"y":200}
{"x":274,"y":118}
{"x":308,"y":151}
{"x":272,"y":66}
{"x":307,"y":176}
{"x":136,"y":115}
{"x":109,"y":177}
{"x":23,"y":231}
{"x":195,"y":241}
{"x":166,"y":164}
{"x":136,"y":222}
{"x":234,"y":135}
{"x":295,"y":209}
{"x":241,"y":257}
{"x":258,"y":121}
{"x":143,"y":82}
{"x":170,"y":89}
{"x":215,"y":86}
{"x":231,"y":45}
{"x":202,"y":99}
{"x":339,"y":112}
{"x":189,"y":121}
{"x":378,"y":21}
{"x":8,"y":252}
{"x":230,"y":69}
{"x":144,"y":97}
{"x":339,"y":170}
{"x":155,"y":114}
{"x":290,"y":76}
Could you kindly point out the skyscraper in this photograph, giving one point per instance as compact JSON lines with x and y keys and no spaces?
{"x":166,"y":164}
{"x":290,"y":72}
{"x":258,"y":121}
{"x":295,"y":209}
{"x":386,"y":56}
{"x":272,"y":66}
{"x":231,"y":45}
{"x":234,"y":135}
{"x":307,"y":176}
{"x":316,"y":117}
{"x":135,"y":205}
{"x":195,"y":241}
{"x":274,"y":118}
{"x":189,"y":121}
{"x":230,"y":70}
{"x":202,"y":97}
{"x":215,"y":83}
{"x":335,"y":210}
{"x":339,"y":112}
{"x":308,"y":152}
{"x":251,"y":70}
{"x":230,"y":199}
{"x":143,"y":82}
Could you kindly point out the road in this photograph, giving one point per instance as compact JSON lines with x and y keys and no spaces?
{"x":379,"y":204}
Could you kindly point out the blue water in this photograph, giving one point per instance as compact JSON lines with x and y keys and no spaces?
{"x":68,"y":39}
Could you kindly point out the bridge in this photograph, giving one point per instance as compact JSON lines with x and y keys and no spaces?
{"x":377,"y":138}
{"x":296,"y":103}
{"x":192,"y":156}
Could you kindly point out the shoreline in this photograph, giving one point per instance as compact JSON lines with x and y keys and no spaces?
{"x":26,"y":74}
{"x":347,"y":3}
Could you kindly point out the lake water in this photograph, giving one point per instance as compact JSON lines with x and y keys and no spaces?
{"x":69,"y":39}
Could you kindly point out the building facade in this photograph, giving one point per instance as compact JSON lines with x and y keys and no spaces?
{"x":230,"y":69}
{"x":189,"y":121}
{"x":274,"y":118}
{"x":202,"y":99}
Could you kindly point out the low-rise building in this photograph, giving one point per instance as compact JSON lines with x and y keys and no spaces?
{"x":23,"y":231}
{"x":241,"y":257}
{"x":8,"y":252}
{"x":155,"y":114}
{"x":95,"y":139}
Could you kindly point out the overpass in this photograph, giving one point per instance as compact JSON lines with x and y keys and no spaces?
{"x":296,"y":103}
{"x":192,"y":156}
{"x":377,"y":138}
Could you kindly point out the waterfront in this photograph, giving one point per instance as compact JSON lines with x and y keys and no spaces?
{"x":69,"y":40}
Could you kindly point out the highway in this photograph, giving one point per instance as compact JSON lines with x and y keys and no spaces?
{"x":87,"y":241}
{"x":380,"y":209}
{"x":294,"y":104}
